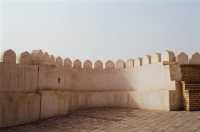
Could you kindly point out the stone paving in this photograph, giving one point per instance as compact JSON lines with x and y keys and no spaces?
{"x":116,"y":120}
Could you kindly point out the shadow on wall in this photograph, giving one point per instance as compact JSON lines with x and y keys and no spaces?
{"x":41,"y":86}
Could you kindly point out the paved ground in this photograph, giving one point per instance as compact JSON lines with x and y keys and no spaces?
{"x":116,"y":120}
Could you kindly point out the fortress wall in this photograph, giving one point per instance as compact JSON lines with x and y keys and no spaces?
{"x":54,"y":103}
{"x":54,"y":86}
{"x":19,"y":101}
{"x":17,"y":77}
{"x":177,"y":75}
{"x":195,"y":58}
{"x":150,"y":83}
{"x":189,"y":80}
{"x":19,"y":108}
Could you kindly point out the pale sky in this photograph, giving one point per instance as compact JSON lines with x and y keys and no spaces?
{"x":100,"y":29}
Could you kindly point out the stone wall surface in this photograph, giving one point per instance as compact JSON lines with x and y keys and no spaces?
{"x":41,"y":86}
{"x":18,"y":78}
{"x":19,"y":108}
{"x":54,"y":103}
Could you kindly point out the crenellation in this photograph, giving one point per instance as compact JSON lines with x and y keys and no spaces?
{"x":168,"y":57}
{"x":182,"y":58}
{"x":87,"y":65}
{"x":52,"y":60}
{"x":98,"y":65}
{"x":67,"y":63}
{"x":156,"y":58}
{"x":9,"y":57}
{"x":109,"y":66}
{"x":138,"y":62}
{"x":130,"y":64}
{"x":77,"y":64}
{"x":57,"y":86}
{"x":37,"y":57}
{"x":120,"y":65}
{"x":59,"y":61}
{"x":195,"y":59}
{"x":25,"y":58}
{"x":146,"y":59}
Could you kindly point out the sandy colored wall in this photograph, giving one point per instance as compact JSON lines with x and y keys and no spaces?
{"x":40,"y":85}
{"x":19,"y":108}
{"x":149,"y":83}
{"x":18,"y":78}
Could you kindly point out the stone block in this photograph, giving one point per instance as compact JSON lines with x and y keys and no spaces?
{"x":51,"y":77}
{"x":54,"y":103}
{"x":18,"y":78}
{"x":18,"y":108}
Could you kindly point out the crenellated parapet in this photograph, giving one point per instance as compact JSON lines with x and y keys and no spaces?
{"x":67,"y":63}
{"x":77,"y":64}
{"x":146,"y":59}
{"x":183,"y":58}
{"x":38,"y":57}
{"x":9,"y":57}
{"x":98,"y":65}
{"x":195,"y":59}
{"x":39,"y":85}
{"x":59,"y":61}
{"x":87,"y":65}
{"x":168,"y":56}
{"x":25,"y":58}
{"x":55,"y":67}
{"x":120,"y":65}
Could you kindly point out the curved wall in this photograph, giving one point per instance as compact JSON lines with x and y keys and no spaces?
{"x":40,"y":85}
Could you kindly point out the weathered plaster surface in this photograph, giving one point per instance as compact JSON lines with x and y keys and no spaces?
{"x":43,"y":86}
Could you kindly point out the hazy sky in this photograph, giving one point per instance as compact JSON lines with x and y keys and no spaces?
{"x":104,"y":29}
